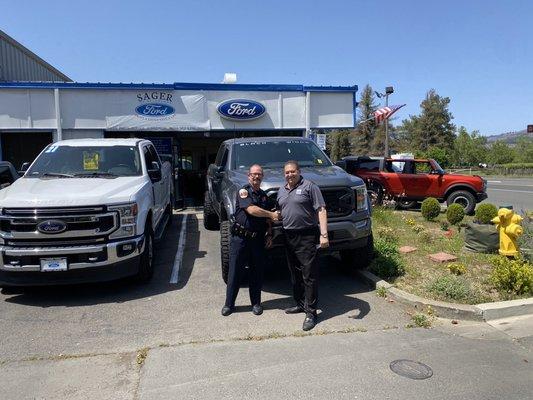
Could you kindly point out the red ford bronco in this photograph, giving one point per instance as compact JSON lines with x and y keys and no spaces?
{"x":410,"y":180}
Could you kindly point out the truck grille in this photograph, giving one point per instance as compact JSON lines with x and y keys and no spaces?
{"x":339,"y":201}
{"x":79,"y":225}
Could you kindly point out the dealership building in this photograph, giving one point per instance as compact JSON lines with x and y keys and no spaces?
{"x":186,"y":121}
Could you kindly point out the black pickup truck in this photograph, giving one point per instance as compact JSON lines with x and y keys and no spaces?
{"x":347,"y":204}
{"x":8,"y":174}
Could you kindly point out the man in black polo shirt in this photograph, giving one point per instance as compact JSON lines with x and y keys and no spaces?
{"x":249,"y":235}
{"x":304,"y":217}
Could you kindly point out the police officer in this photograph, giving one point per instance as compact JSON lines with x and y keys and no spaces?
{"x":250,"y":233}
{"x":304,"y":219}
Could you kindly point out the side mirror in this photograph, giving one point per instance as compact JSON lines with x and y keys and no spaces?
{"x":23,"y":168}
{"x":154,"y":172}
{"x":219,"y":172}
{"x":341,"y":163}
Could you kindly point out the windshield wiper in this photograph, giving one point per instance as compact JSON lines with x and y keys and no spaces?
{"x":58,"y":175}
{"x":94,"y":174}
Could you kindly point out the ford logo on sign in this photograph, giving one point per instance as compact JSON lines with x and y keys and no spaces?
{"x":154,"y":110}
{"x":241,"y":109}
{"x":52,"y":226}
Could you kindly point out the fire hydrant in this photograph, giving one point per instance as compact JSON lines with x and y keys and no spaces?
{"x":508,"y":226}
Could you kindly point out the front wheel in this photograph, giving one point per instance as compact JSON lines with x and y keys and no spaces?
{"x":210,"y":215}
{"x":225,"y":240}
{"x":359,"y":258}
{"x":146,"y":266}
{"x":464,"y":199}
{"x":405,"y":204}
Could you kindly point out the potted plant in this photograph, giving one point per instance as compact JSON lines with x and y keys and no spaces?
{"x":481,"y":235}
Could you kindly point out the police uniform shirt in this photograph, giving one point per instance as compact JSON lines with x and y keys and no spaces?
{"x":246,"y":197}
{"x":299,"y":205}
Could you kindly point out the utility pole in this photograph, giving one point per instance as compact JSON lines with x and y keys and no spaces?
{"x":388,"y":90}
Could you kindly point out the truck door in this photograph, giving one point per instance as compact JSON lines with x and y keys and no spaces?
{"x":150,"y":155}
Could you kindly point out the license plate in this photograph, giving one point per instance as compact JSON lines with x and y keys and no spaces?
{"x":53,"y":264}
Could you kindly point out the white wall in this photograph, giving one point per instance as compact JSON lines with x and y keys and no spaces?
{"x":99,"y":109}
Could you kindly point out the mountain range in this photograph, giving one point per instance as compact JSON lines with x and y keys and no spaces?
{"x":509,"y":137}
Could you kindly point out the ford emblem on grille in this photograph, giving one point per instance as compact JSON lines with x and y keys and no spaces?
{"x":241,"y":109}
{"x":52,"y":226}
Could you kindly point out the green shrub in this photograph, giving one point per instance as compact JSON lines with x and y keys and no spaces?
{"x":455,"y":213}
{"x":485,"y":212}
{"x":450,"y":287}
{"x":387,"y":262}
{"x":430,"y":208}
{"x":457,"y":268}
{"x":512,"y":276}
{"x":444,"y":225}
{"x":381,"y":291}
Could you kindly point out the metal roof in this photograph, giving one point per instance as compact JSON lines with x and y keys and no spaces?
{"x":31,"y":55}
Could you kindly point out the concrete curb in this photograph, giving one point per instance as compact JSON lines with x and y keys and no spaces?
{"x":479,"y":312}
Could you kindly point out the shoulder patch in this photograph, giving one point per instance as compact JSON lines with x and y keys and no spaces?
{"x":243,"y":193}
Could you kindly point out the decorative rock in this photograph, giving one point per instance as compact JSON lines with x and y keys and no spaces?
{"x":407,"y":249}
{"x":442,"y":257}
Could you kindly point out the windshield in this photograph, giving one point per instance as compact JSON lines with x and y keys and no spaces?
{"x":274,"y":154}
{"x":86,"y":161}
{"x":438,"y":168}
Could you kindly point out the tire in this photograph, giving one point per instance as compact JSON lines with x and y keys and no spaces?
{"x":375,"y":193}
{"x":210,"y":215}
{"x":146,"y":265}
{"x":168,"y":211}
{"x":358,"y":258}
{"x":463,"y":198}
{"x":225,"y":239}
{"x":405,"y":205}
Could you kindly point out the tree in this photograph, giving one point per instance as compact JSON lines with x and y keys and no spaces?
{"x":501,"y":153}
{"x":340,"y":144}
{"x":364,"y":133}
{"x":469,"y":148}
{"x":432,"y":128}
{"x":524,"y":153}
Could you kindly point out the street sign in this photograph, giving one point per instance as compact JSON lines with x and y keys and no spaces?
{"x":530,"y":129}
{"x":321,"y":141}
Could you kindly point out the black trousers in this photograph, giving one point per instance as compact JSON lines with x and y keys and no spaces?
{"x":245,"y":252}
{"x":302,"y":259}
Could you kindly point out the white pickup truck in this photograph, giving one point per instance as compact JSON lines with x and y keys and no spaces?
{"x":85,"y":210}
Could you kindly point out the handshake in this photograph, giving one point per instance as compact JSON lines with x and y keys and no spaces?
{"x":275,"y":216}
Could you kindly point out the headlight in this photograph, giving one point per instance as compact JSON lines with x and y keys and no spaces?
{"x":361,"y":202}
{"x":128,"y":220}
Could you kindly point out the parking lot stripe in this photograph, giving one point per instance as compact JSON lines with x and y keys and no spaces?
{"x":179,"y":254}
{"x":515,"y":191}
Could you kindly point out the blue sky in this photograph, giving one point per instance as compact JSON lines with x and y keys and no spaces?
{"x":478,"y":53}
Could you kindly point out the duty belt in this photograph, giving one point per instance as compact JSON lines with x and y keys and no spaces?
{"x":241,"y":231}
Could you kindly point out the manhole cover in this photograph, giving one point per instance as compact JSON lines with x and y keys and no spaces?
{"x":411,"y":369}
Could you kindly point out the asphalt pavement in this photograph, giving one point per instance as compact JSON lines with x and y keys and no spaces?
{"x":168,"y":340}
{"x":517,"y":192}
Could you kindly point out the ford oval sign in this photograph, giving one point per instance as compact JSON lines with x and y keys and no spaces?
{"x":52,"y":226}
{"x":154,"y":110}
{"x":241,"y":109}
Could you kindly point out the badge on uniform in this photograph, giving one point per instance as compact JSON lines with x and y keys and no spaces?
{"x":298,"y":191}
{"x":243,"y":193}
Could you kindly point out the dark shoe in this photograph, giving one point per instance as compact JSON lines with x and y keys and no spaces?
{"x":294,"y":310}
{"x":309,"y":322}
{"x":226,"y":310}
{"x":257,"y":309}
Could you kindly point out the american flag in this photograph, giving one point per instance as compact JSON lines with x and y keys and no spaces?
{"x":383,"y":113}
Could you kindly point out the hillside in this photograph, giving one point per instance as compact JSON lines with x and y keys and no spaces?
{"x":509,"y":137}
